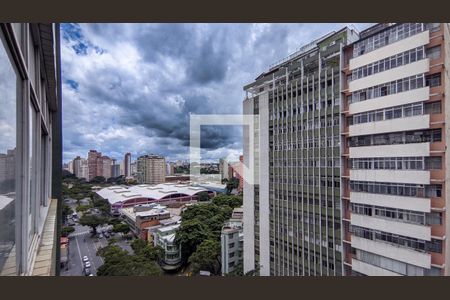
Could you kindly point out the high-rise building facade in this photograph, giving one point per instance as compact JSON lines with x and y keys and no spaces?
{"x":395,"y":138}
{"x":134,"y":169}
{"x":115,"y":168}
{"x":83,"y":169}
{"x":76,"y":163}
{"x":223,"y":169}
{"x":30,"y":148}
{"x":106,"y":167}
{"x":151,"y":169}
{"x":170,"y":168}
{"x":231,"y":242}
{"x":292,"y":218}
{"x":95,"y":164}
{"x":350,"y":163}
{"x":127,"y":165}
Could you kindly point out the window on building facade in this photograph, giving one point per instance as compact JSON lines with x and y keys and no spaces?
{"x":433,"y":80}
{"x":434,"y":52}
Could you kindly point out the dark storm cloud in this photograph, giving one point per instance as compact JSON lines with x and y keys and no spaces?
{"x":132,"y":87}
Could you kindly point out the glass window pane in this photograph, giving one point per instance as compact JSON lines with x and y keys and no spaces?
{"x":8,"y":103}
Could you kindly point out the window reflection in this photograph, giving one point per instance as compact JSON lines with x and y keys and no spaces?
{"x":8,"y":96}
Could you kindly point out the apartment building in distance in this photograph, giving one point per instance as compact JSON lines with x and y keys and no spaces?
{"x":99,"y":165}
{"x":292,"y":214}
{"x":95,"y":164}
{"x":30,"y":148}
{"x":151,"y":169}
{"x":127,"y":165}
{"x":231,"y":242}
{"x":115,"y":168}
{"x":395,"y":129}
{"x":106,"y":167}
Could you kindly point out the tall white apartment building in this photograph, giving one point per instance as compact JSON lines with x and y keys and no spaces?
{"x":351,"y":156}
{"x":292,"y":212}
{"x":395,"y":133}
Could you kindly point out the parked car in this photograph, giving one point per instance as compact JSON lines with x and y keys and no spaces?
{"x":87,"y":265}
{"x":100,"y":236}
{"x":85,"y":259}
{"x":87,"y":272}
{"x":106,"y":234}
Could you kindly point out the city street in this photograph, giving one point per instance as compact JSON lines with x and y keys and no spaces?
{"x":82,"y":243}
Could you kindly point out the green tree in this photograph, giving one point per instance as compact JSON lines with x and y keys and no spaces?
{"x":98,"y":179}
{"x":202,"y":222}
{"x":67,"y":175}
{"x":93,"y":221}
{"x":141,"y":247}
{"x":102,"y":204}
{"x":65,"y":231}
{"x":114,"y":221}
{"x":66,"y":211}
{"x":228,"y":200}
{"x":207,"y":257}
{"x":83,"y":208}
{"x":122,"y":227}
{"x":190,"y":234}
{"x":203,"y":196}
{"x":137,"y":245}
{"x":118,"y":262}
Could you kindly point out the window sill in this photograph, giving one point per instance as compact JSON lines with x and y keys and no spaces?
{"x":45,"y":262}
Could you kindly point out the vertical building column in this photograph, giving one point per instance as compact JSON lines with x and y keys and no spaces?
{"x":249,"y":199}
{"x":264,"y":209}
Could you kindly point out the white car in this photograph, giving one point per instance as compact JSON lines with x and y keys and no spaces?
{"x":85,"y":259}
{"x":87,"y":264}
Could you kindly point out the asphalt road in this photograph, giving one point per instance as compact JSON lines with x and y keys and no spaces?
{"x":81,"y":243}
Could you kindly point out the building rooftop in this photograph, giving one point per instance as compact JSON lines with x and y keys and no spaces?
{"x":116,"y":194}
{"x":168,"y":228}
{"x":129,"y":211}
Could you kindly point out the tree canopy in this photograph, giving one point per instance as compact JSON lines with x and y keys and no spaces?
{"x":207,"y":257}
{"x":93,"y":221}
{"x":118,"y":262}
{"x":121,"y":227}
{"x":199,"y":233}
{"x":98,"y":179}
{"x":65,"y":231}
{"x":203,"y":196}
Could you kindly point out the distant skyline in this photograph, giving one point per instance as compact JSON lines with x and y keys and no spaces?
{"x":131,"y":87}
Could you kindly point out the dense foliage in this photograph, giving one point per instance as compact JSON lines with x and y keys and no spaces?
{"x":93,"y":221}
{"x":199,"y":233}
{"x":121,"y":227}
{"x":203,"y":196}
{"x":66,"y":211}
{"x":65,"y":231}
{"x":118,"y":262}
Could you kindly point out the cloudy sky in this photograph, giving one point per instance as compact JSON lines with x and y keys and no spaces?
{"x":132,"y":87}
